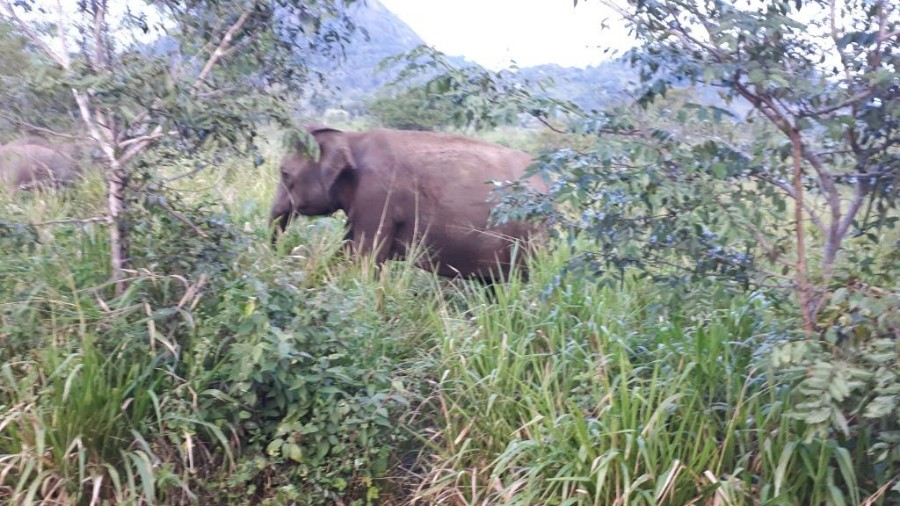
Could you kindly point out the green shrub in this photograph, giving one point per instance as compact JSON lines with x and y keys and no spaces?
{"x":303,"y":402}
{"x":848,"y":384}
{"x":315,"y":375}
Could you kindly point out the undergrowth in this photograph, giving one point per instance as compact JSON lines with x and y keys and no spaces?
{"x":234,"y":373}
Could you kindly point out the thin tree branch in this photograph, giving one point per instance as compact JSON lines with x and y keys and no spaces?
{"x":825,"y":178}
{"x":220,"y":51}
{"x":99,"y":7}
{"x":70,"y":221}
{"x":626,"y":133}
{"x":84,"y":107}
{"x":859,"y":197}
{"x":139,"y":145}
{"x":803,"y":287}
{"x":849,"y":102}
{"x":832,"y":196}
{"x":144,"y":138}
{"x":22,"y":123}
{"x":762,"y":104}
{"x":140,"y":117}
{"x":186,"y":174}
{"x":550,"y":126}
{"x":208,"y":46}
{"x":35,"y":38}
{"x":789,"y":190}
{"x":868,"y":176}
{"x":835,"y":36}
{"x":182,"y":219}
{"x":61,"y":30}
{"x":244,"y":42}
{"x":687,"y":39}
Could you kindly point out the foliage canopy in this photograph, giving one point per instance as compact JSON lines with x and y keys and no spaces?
{"x":195,"y":75}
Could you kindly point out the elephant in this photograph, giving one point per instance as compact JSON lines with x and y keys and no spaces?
{"x":399,"y":188}
{"x":26,"y":163}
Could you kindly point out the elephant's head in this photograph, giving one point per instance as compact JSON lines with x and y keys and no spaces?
{"x":310,"y":180}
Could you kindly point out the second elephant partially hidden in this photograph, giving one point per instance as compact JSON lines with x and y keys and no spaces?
{"x":27,"y":163}
{"x":399,"y":187}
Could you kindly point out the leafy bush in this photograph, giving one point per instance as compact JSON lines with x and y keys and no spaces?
{"x":221,"y":373}
{"x":315,"y":409}
{"x":849,"y":383}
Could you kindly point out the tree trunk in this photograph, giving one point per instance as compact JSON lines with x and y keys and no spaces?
{"x":804,"y":294}
{"x":116,"y":180}
{"x":118,"y":233}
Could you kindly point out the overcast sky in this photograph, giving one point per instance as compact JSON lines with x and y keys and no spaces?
{"x":496,"y":33}
{"x":530,"y":32}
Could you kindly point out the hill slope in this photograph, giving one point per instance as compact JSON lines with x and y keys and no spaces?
{"x":384,"y":34}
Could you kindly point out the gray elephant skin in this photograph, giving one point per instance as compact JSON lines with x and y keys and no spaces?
{"x":399,"y":188}
{"x":28,"y":163}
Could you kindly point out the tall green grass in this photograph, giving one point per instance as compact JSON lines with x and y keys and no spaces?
{"x":90,"y":410}
{"x":80,"y":426}
{"x":592,"y":394}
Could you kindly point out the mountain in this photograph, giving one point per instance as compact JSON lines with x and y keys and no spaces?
{"x":590,"y":87}
{"x":353,"y":82}
{"x":356,"y":78}
{"x":382,"y":35}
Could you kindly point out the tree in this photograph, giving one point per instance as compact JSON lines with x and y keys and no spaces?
{"x":806,"y":96}
{"x":828,"y":86}
{"x":26,"y":97}
{"x":412,"y":109}
{"x":199,"y":73}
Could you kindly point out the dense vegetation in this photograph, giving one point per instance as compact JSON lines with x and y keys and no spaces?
{"x":705,"y":326}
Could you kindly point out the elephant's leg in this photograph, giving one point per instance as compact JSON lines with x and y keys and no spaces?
{"x":347,"y":247}
{"x":370,"y":238}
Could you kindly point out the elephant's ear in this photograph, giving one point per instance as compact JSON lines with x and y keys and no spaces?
{"x":335,"y":155}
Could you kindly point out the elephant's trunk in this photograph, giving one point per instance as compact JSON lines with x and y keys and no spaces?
{"x":278,"y":221}
{"x":281,"y":213}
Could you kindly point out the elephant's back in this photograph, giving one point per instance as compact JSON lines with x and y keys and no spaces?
{"x":453,"y":159}
{"x":440,"y":174}
{"x":23,"y":165}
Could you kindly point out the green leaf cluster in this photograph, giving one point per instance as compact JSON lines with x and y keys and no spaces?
{"x":850,"y":386}
{"x":413,"y":109}
{"x":30,"y":87}
{"x":312,"y":402}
